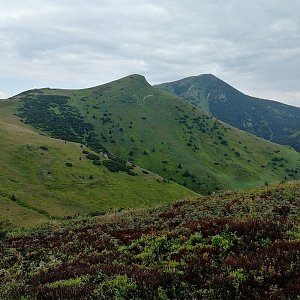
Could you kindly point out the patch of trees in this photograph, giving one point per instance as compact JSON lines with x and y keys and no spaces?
{"x":53,"y":114}
{"x":92,"y":156}
{"x":115,"y":164}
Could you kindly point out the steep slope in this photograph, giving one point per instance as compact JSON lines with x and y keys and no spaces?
{"x":231,"y":246}
{"x":268,"y":119}
{"x":42,"y":178}
{"x":160,"y":132}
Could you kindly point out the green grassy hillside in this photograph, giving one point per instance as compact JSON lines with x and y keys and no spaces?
{"x":268,"y":119}
{"x":42,"y":178}
{"x":134,"y":121}
{"x":230,"y":246}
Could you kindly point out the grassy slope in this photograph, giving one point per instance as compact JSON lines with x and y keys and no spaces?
{"x":271,"y":120}
{"x":230,"y":246}
{"x":161,"y":132}
{"x":45,"y":187}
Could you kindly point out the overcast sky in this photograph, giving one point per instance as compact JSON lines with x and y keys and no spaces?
{"x":253,"y":45}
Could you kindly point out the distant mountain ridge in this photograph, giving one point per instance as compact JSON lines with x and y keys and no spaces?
{"x":136,"y":122}
{"x":268,"y":119}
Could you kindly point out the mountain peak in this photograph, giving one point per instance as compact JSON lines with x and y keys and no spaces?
{"x":267,"y":119}
{"x":136,"y":77}
{"x":133,"y":79}
{"x":209,"y":75}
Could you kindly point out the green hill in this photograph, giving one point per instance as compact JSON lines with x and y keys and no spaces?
{"x":43,"y":178}
{"x":134,"y":121}
{"x":230,"y":246}
{"x":268,"y":119}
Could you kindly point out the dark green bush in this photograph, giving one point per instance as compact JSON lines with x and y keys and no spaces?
{"x":129,"y":172}
{"x":112,"y":165}
{"x":116,"y":164}
{"x":97,"y":163}
{"x":186,"y":173}
{"x":224,"y":142}
{"x":43,"y":147}
{"x":92,"y":156}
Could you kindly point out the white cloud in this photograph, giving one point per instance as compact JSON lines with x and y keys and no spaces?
{"x":253,"y":45}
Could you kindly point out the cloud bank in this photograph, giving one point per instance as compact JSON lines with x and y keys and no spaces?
{"x":252,"y":45}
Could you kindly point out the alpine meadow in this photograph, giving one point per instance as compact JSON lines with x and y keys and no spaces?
{"x":140,"y":157}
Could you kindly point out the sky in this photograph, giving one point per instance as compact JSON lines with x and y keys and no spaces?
{"x":252,"y":45}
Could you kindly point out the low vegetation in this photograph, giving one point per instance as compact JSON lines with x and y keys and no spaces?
{"x":230,"y":246}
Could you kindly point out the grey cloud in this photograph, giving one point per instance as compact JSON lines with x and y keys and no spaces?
{"x":253,"y":45}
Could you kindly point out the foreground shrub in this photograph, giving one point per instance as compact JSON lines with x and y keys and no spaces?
{"x":119,"y":288}
{"x":226,"y":246}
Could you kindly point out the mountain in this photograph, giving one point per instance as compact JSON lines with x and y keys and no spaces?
{"x":130,"y":120}
{"x":241,"y":245}
{"x":268,"y":119}
{"x":43,"y":178}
